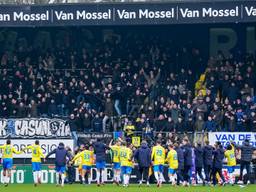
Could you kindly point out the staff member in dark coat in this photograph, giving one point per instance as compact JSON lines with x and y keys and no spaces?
{"x":143,"y":157}
{"x":246,"y":158}
{"x":61,"y":155}
{"x":187,"y":150}
{"x":207,"y":160}
{"x":180,"y":169}
{"x":100,"y":152}
{"x":218,"y":156}
{"x":199,"y":161}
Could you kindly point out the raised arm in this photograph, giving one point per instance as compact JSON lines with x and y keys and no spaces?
{"x":107,"y":147}
{"x":16,"y":152}
{"x":111,"y":143}
{"x":158,"y":75}
{"x":152,"y":154}
{"x":235,"y":145}
{"x":69,"y":155}
{"x":146,"y":76}
{"x":77,"y":156}
{"x":1,"y":146}
{"x":51,"y":153}
{"x":167,"y":158}
{"x":41,"y":153}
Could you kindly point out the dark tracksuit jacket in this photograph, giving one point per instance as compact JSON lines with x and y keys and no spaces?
{"x":61,"y":155}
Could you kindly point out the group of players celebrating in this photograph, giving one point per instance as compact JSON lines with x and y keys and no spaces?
{"x":177,"y":156}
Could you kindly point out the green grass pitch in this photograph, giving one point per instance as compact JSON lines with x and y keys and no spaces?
{"x":132,"y":188}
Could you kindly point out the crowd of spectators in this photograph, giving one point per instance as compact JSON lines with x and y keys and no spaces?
{"x":132,"y":83}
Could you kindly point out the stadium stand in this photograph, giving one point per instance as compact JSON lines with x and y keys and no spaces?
{"x":128,"y":81}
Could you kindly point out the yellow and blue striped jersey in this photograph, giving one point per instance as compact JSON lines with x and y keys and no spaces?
{"x":36,"y":153}
{"x":158,"y":155}
{"x":8,"y":151}
{"x":86,"y":157}
{"x":116,"y":153}
{"x":172,"y":159}
{"x":126,"y":157}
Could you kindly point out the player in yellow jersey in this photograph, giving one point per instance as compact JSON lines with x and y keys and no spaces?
{"x":231,"y":163}
{"x":126,"y":162}
{"x":172,"y":159}
{"x":87,"y":160}
{"x":158,"y":159}
{"x":78,"y":162}
{"x":116,"y":160}
{"x":7,"y":155}
{"x":37,"y":154}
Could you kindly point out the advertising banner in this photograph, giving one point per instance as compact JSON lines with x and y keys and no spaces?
{"x":22,"y":174}
{"x":128,"y":13}
{"x":47,"y":145}
{"x":34,"y":128}
{"x":93,"y":136}
{"x":226,"y":137}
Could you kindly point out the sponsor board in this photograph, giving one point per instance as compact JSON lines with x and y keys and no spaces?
{"x":22,"y":174}
{"x":128,"y":13}
{"x":34,"y":128}
{"x":226,"y":137}
{"x":47,"y":145}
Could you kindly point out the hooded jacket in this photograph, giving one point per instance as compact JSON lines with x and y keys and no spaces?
{"x":246,"y":151}
{"x":143,"y":155}
{"x":100,"y":151}
{"x":218,"y":158}
{"x":208,"y":155}
{"x":180,"y":155}
{"x":187,"y":150}
{"x":199,"y":156}
{"x":61,"y":155}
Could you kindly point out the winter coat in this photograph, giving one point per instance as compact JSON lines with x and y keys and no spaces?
{"x":246,"y":151}
{"x":143,"y":155}
{"x":208,"y":155}
{"x":61,"y":155}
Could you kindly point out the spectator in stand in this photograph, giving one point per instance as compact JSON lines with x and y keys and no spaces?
{"x":101,"y":81}
{"x":118,"y":96}
{"x":181,"y":126}
{"x":233,"y":92}
{"x":160,"y":124}
{"x":210,"y":125}
{"x":73,"y":124}
{"x":252,"y":122}
{"x":108,"y":114}
{"x":200,"y":124}
{"x":52,"y":109}
{"x":97,"y":123}
{"x":86,"y":123}
{"x":217,"y":116}
{"x":201,"y":107}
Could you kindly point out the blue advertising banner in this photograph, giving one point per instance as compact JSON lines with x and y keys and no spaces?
{"x":128,"y":13}
{"x":226,"y":137}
